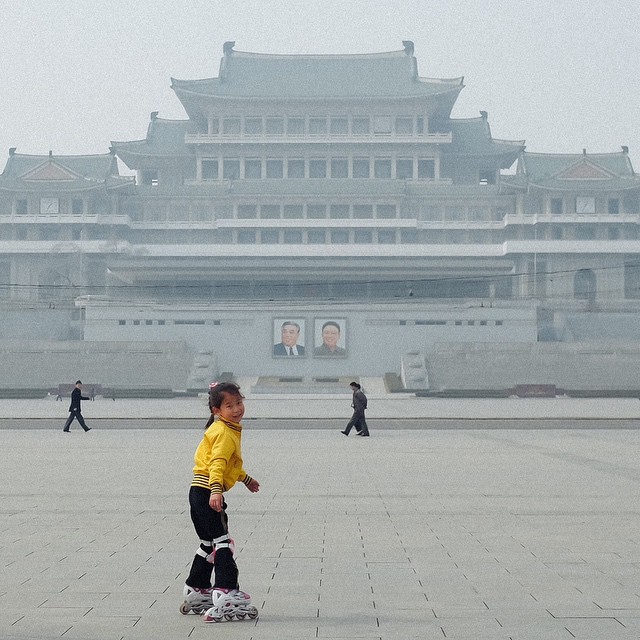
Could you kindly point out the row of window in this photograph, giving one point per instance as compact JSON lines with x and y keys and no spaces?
{"x":405,"y":125}
{"x":357,"y":167}
{"x":402,"y":323}
{"x":75,"y":207}
{"x":585,"y":205}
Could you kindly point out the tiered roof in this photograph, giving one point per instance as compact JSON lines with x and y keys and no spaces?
{"x":575,"y":172}
{"x":60,"y":172}
{"x":165,"y":138}
{"x":374,"y":75}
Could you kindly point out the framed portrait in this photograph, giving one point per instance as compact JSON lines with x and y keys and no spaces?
{"x":330,"y":338}
{"x":288,"y":338}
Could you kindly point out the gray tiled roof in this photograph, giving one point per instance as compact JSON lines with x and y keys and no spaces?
{"x":91,"y":167}
{"x":392,"y":74}
{"x":545,"y":170}
{"x":472,"y":136}
{"x":164,"y":138}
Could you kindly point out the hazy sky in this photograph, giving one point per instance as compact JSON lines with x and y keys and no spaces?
{"x":560,"y":74}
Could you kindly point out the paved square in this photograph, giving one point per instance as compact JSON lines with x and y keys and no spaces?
{"x":496,"y":534}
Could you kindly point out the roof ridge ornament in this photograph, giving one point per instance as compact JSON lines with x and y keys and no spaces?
{"x":408,"y":47}
{"x":227,"y":47}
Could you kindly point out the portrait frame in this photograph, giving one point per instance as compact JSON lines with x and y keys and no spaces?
{"x":278,"y":346}
{"x":330,"y":349}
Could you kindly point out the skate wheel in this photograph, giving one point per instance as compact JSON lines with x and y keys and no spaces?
{"x":252,"y":613}
{"x":228,"y":617}
{"x":241,"y":616}
{"x":207,"y":617}
{"x":185,"y":609}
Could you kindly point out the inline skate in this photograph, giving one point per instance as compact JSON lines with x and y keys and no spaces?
{"x":196,"y":600}
{"x":230,"y":604}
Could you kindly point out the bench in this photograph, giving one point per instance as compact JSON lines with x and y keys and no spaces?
{"x":90,"y":390}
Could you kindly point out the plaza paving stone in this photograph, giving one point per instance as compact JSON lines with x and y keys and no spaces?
{"x":516,"y":534}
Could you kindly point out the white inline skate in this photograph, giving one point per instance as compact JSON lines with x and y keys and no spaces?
{"x":230,"y":604}
{"x":195,"y":600}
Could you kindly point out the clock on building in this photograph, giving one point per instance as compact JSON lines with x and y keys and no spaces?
{"x":49,"y":205}
{"x":585,"y":204}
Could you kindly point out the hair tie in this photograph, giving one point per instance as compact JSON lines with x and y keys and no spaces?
{"x":213,"y":384}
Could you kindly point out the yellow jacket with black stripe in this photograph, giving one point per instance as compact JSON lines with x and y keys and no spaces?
{"x":218,"y":458}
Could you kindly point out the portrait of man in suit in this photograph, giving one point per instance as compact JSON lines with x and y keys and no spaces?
{"x":330,"y":340}
{"x":291,"y":338}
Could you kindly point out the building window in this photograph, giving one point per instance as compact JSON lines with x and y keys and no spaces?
{"x":386,"y":236}
{"x":231,"y":170}
{"x":339,"y":236}
{"x":613,"y":233}
{"x":360,"y":126}
{"x":339,"y":211}
{"x":292,"y":236}
{"x":386,"y":211}
{"x":404,"y":168}
{"x":253,"y":168}
{"x":317,"y":126}
{"x":613,"y":206}
{"x":382,"y":168}
{"x":295,"y":126}
{"x":339,"y":168}
{"x":420,"y":125}
{"x":247,"y":212}
{"x":556,"y":206}
{"x":270,"y":236}
{"x":270,"y":211}
{"x":586,"y":232}
{"x":231,"y":126}
{"x":363,"y":236}
{"x":149,"y":177}
{"x":362,"y":211}
{"x":316,"y":211}
{"x":246,"y":236}
{"x":295,"y":168}
{"x":631,"y":203}
{"x":318,"y":168}
{"x":253,"y":126}
{"x":339,"y":126}
{"x":404,"y":126}
{"x":381,"y":125}
{"x":209,"y":169}
{"x":426,"y":169}
{"x":275,"y":126}
{"x":557,"y":233}
{"x":487,"y":177}
{"x":77,"y":206}
{"x":22,"y":207}
{"x":293,"y":212}
{"x":361,"y":167}
{"x":275,"y":169}
{"x":316,"y":236}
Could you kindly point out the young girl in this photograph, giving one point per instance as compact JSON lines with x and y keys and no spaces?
{"x":218,"y":466}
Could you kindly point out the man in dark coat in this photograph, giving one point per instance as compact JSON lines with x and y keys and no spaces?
{"x":359,"y":404}
{"x":75,"y":411}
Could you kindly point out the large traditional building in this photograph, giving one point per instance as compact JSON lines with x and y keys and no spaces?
{"x":321,"y":186}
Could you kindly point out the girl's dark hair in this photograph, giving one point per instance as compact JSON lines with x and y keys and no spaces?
{"x":217,"y":391}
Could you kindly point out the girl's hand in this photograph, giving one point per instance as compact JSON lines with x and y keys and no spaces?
{"x":253,"y":486}
{"x":215,"y":502}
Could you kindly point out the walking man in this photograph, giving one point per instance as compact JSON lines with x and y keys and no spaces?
{"x":359,"y":404}
{"x":75,"y":411}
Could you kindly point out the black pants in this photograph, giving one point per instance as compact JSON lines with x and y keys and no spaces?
{"x":358,"y":421}
{"x":75,"y":415}
{"x":210,"y":524}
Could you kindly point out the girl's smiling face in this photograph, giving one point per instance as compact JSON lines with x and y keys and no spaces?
{"x":231,"y":408}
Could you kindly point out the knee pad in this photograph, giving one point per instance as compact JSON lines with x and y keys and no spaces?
{"x":202,"y":550}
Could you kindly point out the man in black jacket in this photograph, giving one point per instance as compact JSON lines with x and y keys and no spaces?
{"x":75,"y":412}
{"x":359,"y":404}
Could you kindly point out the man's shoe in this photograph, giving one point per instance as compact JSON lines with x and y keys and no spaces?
{"x":87,"y":429}
{"x":66,"y":431}
{"x":344,"y":433}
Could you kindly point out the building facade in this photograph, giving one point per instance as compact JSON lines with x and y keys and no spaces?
{"x":321,"y":181}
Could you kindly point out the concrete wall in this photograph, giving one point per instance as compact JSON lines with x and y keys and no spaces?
{"x":580,"y":366}
{"x":375,"y":336}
